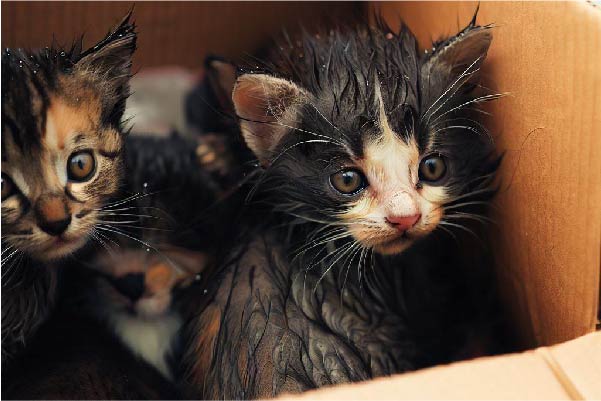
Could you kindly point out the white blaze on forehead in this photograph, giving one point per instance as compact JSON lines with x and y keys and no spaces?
{"x":389,"y":162}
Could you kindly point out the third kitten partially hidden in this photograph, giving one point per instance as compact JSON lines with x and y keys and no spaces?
{"x":126,"y":307}
{"x":136,"y":295}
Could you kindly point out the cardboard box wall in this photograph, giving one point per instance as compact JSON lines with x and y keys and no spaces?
{"x":568,"y":371}
{"x":547,"y":55}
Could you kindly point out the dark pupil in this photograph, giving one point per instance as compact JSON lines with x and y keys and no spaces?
{"x":348,"y":178}
{"x":80,"y":162}
{"x":432,"y":166}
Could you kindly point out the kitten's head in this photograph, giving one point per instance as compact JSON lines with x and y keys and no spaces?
{"x":361,"y":131}
{"x":142,"y":283}
{"x":62,"y":140}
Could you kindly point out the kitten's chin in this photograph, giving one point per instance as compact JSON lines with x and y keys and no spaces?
{"x":60,"y":248}
{"x":393,"y":247}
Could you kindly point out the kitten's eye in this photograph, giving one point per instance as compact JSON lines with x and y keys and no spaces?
{"x":432,"y":168}
{"x":8,"y":187}
{"x":348,"y":182}
{"x":81,"y":166}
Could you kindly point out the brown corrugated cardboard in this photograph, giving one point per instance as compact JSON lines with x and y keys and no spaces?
{"x":567,"y":371}
{"x":547,"y":55}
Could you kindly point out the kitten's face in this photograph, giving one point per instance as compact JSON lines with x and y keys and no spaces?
{"x":61,"y":142}
{"x":142,"y":283}
{"x":372,"y":139}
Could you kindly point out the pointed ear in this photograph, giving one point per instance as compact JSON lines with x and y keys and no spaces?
{"x":459,"y":55}
{"x":221,"y":76}
{"x":267,"y":107}
{"x":110,"y":59}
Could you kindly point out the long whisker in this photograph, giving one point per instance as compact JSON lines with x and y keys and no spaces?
{"x":451,"y":233}
{"x":148,"y":216}
{"x":324,"y":240}
{"x":348,"y":263}
{"x":120,"y":232}
{"x":340,"y":255}
{"x":7,"y":248}
{"x":485,"y":98}
{"x":132,"y":198}
{"x":464,"y":204}
{"x":298,"y":144}
{"x":446,"y":223}
{"x":6,"y":259}
{"x":461,"y":215}
{"x":463,"y":74}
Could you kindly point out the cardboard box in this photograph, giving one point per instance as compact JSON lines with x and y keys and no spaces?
{"x":547,"y":55}
{"x":569,"y":371}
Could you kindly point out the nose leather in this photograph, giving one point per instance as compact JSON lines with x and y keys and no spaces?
{"x":131,"y":285}
{"x":52,"y":214}
{"x":402,"y":210}
{"x":55,"y":227}
{"x":403,"y":223}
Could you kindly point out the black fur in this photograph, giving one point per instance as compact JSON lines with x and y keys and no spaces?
{"x":77,"y":357}
{"x":284,"y":321}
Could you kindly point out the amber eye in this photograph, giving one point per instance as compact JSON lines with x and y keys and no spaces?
{"x":8,"y":187}
{"x":81,"y":166}
{"x":348,"y":182}
{"x":432,"y":168}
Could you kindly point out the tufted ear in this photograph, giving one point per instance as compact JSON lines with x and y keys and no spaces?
{"x":267,"y":107}
{"x":459,"y":57}
{"x":109,"y":63}
{"x":111,"y":57}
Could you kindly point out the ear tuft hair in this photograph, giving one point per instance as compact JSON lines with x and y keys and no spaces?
{"x":114,"y":51}
{"x":109,"y":62}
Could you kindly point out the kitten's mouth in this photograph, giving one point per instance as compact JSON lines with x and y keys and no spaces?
{"x":62,"y":241}
{"x":394,"y":245}
{"x":61,"y":246}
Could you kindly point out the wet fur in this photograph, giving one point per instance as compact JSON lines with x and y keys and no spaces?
{"x":81,"y":341}
{"x":54,"y":101}
{"x":297,"y":306}
{"x":76,"y":357}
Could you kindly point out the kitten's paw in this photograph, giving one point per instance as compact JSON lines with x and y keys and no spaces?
{"x":213,"y":155}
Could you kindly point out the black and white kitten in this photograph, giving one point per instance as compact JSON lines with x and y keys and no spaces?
{"x":62,"y":140}
{"x":373,"y":160}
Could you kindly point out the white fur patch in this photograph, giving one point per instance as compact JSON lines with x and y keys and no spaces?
{"x":151,"y":339}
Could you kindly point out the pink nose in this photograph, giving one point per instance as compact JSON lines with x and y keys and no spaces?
{"x":403,"y":223}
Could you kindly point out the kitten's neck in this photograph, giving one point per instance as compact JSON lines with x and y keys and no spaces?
{"x":150,"y":339}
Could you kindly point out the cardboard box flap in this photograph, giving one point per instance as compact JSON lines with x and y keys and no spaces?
{"x":567,"y":371}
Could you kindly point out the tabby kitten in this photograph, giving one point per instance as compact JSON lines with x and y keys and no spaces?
{"x":371,"y":152}
{"x":115,"y":331}
{"x":62,"y":139}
